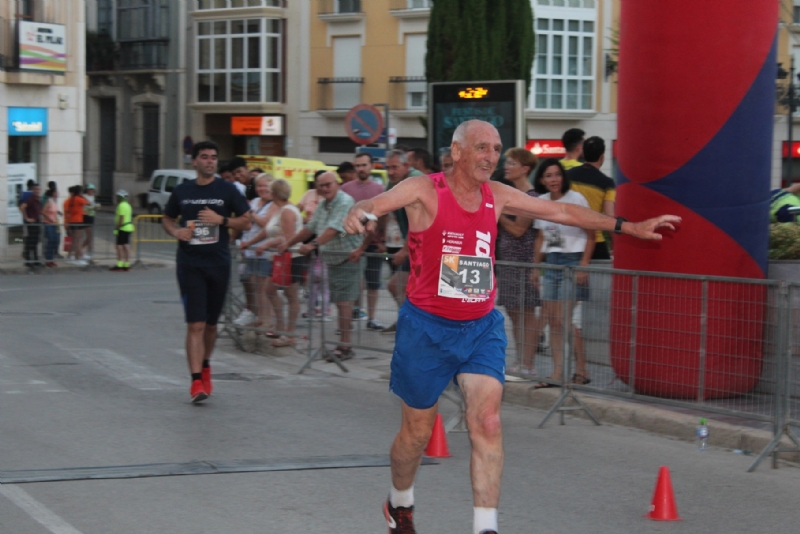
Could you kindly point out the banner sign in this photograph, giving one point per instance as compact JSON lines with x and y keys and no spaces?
{"x":42,"y":47}
{"x":546,"y":148}
{"x":27,"y":121}
{"x":266,"y":125}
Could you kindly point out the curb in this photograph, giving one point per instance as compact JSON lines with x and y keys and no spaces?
{"x":650,"y":419}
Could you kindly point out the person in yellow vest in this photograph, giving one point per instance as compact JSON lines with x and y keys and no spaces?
{"x":123,"y":228}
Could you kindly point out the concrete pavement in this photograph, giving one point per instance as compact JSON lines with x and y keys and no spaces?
{"x":92,"y":373}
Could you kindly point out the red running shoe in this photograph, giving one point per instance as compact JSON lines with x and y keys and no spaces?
{"x":207,"y":380}
{"x":198,"y":391}
{"x":400,"y":519}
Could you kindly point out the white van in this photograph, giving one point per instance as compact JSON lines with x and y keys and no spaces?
{"x":162,"y":183}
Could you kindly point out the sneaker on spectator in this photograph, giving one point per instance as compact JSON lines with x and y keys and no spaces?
{"x":372,"y":324}
{"x":400,"y":519}
{"x":80,"y":263}
{"x":359,"y":314}
{"x":198,"y":391}
{"x":245,"y":318}
{"x":391,"y":329}
{"x":87,"y":256}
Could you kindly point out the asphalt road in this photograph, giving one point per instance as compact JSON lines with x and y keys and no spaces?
{"x":92,"y":374}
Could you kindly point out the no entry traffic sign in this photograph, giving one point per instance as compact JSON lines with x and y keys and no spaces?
{"x":364,"y":124}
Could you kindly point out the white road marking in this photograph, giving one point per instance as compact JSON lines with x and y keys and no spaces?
{"x":124,"y":370}
{"x":37,"y":510}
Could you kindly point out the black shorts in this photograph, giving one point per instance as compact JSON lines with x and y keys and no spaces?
{"x":403,"y":267}
{"x":372,"y":273}
{"x":123,"y":238}
{"x":203,"y":291}
{"x":88,"y":220}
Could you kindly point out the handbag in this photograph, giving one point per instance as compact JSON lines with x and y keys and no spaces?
{"x":282,"y":269}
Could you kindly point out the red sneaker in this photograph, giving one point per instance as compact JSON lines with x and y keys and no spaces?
{"x":400,"y":519}
{"x":207,"y":380}
{"x":198,"y":391}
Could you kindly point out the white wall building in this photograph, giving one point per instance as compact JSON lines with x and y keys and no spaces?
{"x":42,"y":96}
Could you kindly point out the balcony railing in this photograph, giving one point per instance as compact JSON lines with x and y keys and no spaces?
{"x":339,"y":7}
{"x":143,"y":55}
{"x":408,"y":93}
{"x":339,"y":93}
{"x":409,"y":5}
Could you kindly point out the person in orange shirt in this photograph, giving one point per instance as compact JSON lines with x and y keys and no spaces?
{"x":73,"y":220}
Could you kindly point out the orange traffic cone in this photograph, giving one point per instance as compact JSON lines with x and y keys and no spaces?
{"x":663,"y":507}
{"x":437,"y":446}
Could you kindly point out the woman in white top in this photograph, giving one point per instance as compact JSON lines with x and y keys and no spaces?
{"x":557,"y":244}
{"x":258,"y":265}
{"x":282,"y":226}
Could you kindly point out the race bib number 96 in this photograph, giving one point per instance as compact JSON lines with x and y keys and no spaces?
{"x":465,"y":276}
{"x":203,"y":233}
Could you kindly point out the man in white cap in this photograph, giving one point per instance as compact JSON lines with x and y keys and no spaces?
{"x":123,"y":228}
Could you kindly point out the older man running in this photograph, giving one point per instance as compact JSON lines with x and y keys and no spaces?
{"x":447,"y":328}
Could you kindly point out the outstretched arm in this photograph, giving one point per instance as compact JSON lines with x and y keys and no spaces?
{"x":516,"y":202}
{"x":406,"y":194}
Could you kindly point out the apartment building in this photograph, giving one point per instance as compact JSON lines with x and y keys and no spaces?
{"x":136,"y":105}
{"x":373,"y":51}
{"x":245,"y":59}
{"x":42,"y":102}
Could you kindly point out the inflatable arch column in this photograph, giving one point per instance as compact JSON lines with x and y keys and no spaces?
{"x":695,"y":122}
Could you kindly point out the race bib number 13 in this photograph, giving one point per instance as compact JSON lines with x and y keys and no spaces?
{"x":203,"y":233}
{"x":465,"y":276}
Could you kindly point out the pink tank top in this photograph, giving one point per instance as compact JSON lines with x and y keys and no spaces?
{"x":452,"y":262}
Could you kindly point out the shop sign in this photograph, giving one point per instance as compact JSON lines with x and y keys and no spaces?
{"x":546,"y":148}
{"x":42,"y":47}
{"x":27,"y":121}
{"x":265,"y":125}
{"x":795,"y":149}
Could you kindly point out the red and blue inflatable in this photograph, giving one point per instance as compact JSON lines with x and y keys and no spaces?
{"x":695,"y":122}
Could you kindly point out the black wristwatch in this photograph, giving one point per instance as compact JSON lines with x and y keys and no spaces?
{"x":224,"y":221}
{"x":618,"y":227}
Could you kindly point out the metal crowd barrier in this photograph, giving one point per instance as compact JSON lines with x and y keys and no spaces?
{"x":727,"y":346}
{"x":148,"y":230}
{"x":97,"y":242}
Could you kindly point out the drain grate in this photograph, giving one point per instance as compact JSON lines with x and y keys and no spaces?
{"x":197,"y":468}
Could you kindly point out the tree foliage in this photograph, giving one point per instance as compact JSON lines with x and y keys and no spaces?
{"x":480,"y":40}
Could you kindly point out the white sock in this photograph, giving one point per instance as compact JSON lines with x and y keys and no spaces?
{"x":484,"y":519}
{"x":404,"y":498}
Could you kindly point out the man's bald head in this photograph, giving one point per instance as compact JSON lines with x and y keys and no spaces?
{"x":327,"y":185}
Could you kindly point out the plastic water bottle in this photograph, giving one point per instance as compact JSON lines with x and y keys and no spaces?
{"x":702,"y":435}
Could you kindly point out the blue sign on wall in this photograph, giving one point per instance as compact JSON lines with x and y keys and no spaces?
{"x":27,"y":121}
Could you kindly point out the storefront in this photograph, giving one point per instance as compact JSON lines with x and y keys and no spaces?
{"x":26,"y":128}
{"x":790,"y":165}
{"x":263,"y":135}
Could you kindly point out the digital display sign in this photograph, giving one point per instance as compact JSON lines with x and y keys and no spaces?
{"x":501,"y":103}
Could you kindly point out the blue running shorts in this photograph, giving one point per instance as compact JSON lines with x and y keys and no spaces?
{"x":430,"y":351}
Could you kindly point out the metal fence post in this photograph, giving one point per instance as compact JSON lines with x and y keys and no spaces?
{"x":701,"y":386}
{"x":632,"y":340}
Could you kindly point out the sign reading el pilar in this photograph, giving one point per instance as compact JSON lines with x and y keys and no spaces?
{"x":501,"y":103}
{"x":42,"y":47}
